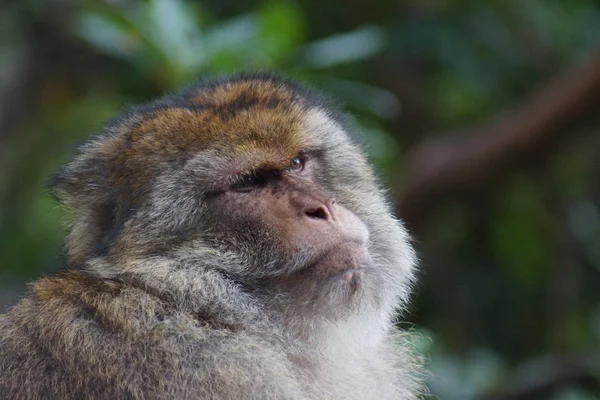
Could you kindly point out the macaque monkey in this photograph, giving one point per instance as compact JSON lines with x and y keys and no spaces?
{"x":228,"y":242}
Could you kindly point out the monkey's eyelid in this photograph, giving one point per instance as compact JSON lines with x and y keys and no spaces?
{"x":247,"y":181}
{"x":311,"y":154}
{"x":256,"y":177}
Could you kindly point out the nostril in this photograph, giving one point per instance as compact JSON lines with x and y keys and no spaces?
{"x":317,"y":213}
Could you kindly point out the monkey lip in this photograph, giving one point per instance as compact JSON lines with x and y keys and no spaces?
{"x":348,"y":246}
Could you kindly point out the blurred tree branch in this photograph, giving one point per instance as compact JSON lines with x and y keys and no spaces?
{"x":563,"y":374}
{"x":457,"y":162}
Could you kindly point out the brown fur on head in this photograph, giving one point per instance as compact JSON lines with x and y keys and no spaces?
{"x":155,"y":184}
{"x":253,"y":119}
{"x":229,"y":242}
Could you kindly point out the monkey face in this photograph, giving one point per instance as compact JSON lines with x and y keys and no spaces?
{"x":292,"y":233}
{"x":251,"y":176}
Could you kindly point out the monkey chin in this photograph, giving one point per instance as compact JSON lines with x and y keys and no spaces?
{"x":342,"y":267}
{"x":334,"y":285}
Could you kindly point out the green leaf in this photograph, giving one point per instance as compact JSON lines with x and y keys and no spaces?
{"x":282,"y":29}
{"x":344,"y":48}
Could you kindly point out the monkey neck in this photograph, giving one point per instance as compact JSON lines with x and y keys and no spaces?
{"x":200,"y":288}
{"x":195,"y":288}
{"x":318,"y":347}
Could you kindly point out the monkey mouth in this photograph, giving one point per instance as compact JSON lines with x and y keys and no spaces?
{"x":343,"y":262}
{"x":334,"y":251}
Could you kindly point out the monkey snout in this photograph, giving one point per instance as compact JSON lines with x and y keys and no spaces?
{"x":336,"y":222}
{"x":318,"y":207}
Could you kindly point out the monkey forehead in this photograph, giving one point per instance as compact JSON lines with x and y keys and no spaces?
{"x":315,"y":133}
{"x":262,"y":107}
{"x":185,"y":129}
{"x":278,"y":133}
{"x":225,"y":127}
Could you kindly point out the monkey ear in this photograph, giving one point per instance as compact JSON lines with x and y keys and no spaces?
{"x":84,"y":182}
{"x":84,"y":186}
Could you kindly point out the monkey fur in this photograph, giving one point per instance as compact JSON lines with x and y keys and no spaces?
{"x":228,"y":242}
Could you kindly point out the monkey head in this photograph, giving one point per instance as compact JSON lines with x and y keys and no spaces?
{"x":251,"y":177}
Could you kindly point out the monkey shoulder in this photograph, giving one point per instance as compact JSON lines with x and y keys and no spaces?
{"x":75,"y":337}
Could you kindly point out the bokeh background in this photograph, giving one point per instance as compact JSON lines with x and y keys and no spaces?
{"x":482,"y":116}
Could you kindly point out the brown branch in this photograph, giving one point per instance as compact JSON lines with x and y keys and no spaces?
{"x":559,"y":376}
{"x":439,"y":168}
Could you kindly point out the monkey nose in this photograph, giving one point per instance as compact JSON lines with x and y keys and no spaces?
{"x":324,"y":211}
{"x":320,"y":212}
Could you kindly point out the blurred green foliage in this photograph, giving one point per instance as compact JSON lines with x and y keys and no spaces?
{"x":511,"y":277}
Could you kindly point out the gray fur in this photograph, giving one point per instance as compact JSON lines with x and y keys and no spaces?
{"x":160,"y":317}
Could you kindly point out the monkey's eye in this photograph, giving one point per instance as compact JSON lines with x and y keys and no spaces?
{"x":248,"y":182}
{"x":297,"y":164}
